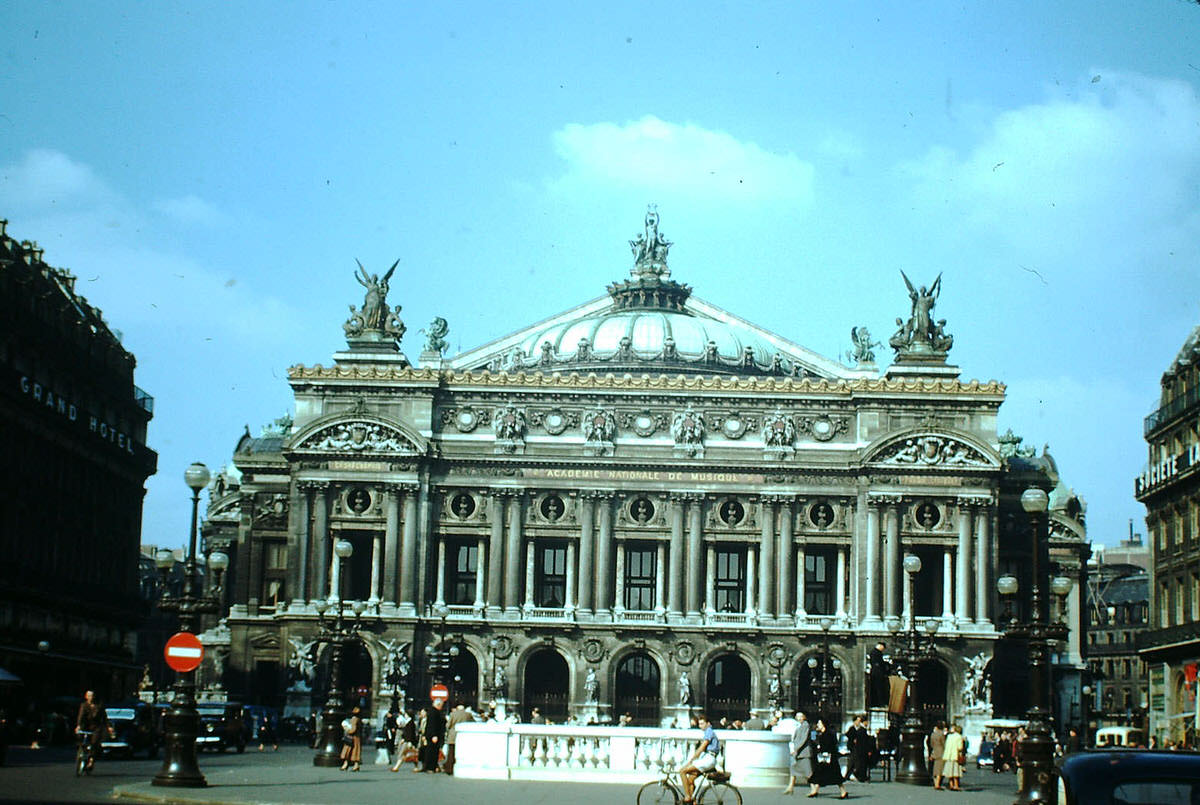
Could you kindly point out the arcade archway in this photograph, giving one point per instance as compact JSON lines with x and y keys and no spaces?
{"x":638,"y":689}
{"x":933,"y":687}
{"x":546,"y":686}
{"x":357,"y":677}
{"x":819,"y":685}
{"x":727,"y":689}
{"x":464,"y":678}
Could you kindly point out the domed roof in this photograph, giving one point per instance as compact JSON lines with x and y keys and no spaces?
{"x":650,"y":323}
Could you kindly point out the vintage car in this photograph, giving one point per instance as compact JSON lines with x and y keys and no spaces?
{"x":221,"y":726}
{"x":1130,"y":777}
{"x":131,"y":729}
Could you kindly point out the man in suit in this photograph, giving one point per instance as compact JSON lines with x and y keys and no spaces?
{"x":802,"y":752}
{"x":880,"y":671}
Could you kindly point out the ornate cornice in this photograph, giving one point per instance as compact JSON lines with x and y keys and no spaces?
{"x":663,"y":382}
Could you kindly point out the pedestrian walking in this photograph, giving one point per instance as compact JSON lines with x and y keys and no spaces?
{"x":826,"y":770}
{"x":459,"y":715}
{"x":352,"y":741}
{"x":802,"y":752}
{"x":937,"y":747}
{"x":859,"y":744}
{"x":407,"y":749}
{"x":435,"y":735}
{"x":266,"y":734}
{"x":954,"y":756}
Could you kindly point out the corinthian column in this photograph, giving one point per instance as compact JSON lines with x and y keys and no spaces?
{"x":391,"y":543}
{"x":604,"y":557}
{"x":983,"y":566}
{"x":675,"y":577}
{"x":695,"y":559}
{"x":892,"y":562}
{"x":303,"y":529}
{"x":966,"y":533}
{"x":495,"y":566}
{"x":871,"y":605}
{"x":320,"y":542}
{"x":512,"y":555}
{"x":766,"y":568}
{"x":408,"y":551}
{"x":587,"y":578}
{"x":787,"y":550}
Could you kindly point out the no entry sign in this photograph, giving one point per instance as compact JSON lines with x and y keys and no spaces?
{"x":439,"y":691}
{"x":183,"y":651}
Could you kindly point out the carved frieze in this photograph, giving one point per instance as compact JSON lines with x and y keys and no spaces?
{"x":930,"y":450}
{"x":823,"y":427}
{"x":465,"y":419}
{"x":359,"y":437}
{"x":687,"y":429}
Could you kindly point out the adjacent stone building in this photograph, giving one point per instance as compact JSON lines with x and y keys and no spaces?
{"x":1170,"y":490}
{"x":644,"y":504}
{"x":73,"y":425}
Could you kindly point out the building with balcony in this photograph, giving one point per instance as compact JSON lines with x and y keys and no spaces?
{"x":1169,"y":489}
{"x":74,"y":426}
{"x":1118,"y":613}
{"x":645,"y":504}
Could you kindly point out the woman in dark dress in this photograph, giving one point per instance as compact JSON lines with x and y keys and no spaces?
{"x":826,"y":770}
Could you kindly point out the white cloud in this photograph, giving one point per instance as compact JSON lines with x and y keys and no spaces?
{"x":1123,"y":152}
{"x":45,"y":178}
{"x":661,"y":158}
{"x":192,"y":210}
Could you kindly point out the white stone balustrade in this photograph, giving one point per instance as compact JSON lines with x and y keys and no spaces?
{"x":498,"y":751}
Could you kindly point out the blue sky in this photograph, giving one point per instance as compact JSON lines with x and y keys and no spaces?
{"x":211,"y":171}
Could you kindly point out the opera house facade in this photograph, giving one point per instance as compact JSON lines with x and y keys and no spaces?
{"x":643,"y":505}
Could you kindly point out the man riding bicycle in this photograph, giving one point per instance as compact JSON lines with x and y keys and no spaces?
{"x":92,"y":720}
{"x":704,"y":759}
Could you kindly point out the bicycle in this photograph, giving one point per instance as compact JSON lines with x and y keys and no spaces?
{"x":85,"y":754}
{"x":712,"y":788}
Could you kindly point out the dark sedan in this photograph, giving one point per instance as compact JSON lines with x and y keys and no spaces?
{"x":131,"y":729}
{"x":1130,"y":777}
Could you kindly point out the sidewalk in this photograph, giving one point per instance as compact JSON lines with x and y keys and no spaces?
{"x":289,"y":778}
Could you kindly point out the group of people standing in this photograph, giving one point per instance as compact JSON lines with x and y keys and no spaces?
{"x":947,"y":751}
{"x":428,"y":739}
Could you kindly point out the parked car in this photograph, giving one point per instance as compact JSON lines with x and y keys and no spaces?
{"x":221,"y":726}
{"x":131,"y":729}
{"x":295,"y":729}
{"x":1130,"y":777}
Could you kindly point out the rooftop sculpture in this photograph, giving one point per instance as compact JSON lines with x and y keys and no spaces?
{"x":376,"y":321}
{"x":920,"y":338}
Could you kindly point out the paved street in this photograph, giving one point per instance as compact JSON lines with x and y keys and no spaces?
{"x":289,"y":777}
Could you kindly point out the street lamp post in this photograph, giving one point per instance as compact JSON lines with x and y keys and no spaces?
{"x":1036,"y":756}
{"x":441,"y":657}
{"x":181,"y":723}
{"x":337,"y":633}
{"x":829,"y":666}
{"x":914,"y":649}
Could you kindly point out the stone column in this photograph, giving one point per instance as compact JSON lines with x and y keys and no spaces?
{"x":408,"y":549}
{"x":660,"y":579}
{"x":376,"y":564}
{"x":391,"y":543}
{"x":512,"y":554}
{"x":751,"y":577}
{"x":530,"y":562}
{"x":947,"y":585}
{"x":966,"y":532}
{"x":335,"y":575}
{"x":983,"y":566}
{"x":424,"y":541}
{"x":322,"y":547}
{"x":304,"y":536}
{"x":619,"y":601}
{"x":786,"y":553}
{"x":604,"y":557}
{"x":675,"y":576}
{"x":871,"y":605}
{"x":441,"y":572}
{"x":495,"y":568}
{"x":480,"y":550}
{"x":710,"y":581}
{"x":569,"y":604}
{"x":892,"y":570}
{"x":587,"y":578}
{"x":766,"y":569}
{"x":840,"y":610}
{"x":801,"y":564}
{"x":695,"y":556}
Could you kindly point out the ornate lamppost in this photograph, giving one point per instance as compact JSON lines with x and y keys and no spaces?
{"x":181,"y":723}
{"x":441,"y":657}
{"x":1036,"y":751}
{"x":337,"y":633}
{"x":830,"y":669}
{"x":915,"y":648}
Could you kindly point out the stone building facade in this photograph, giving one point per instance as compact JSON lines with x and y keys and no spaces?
{"x":1170,"y":490}
{"x":643,"y":505}
{"x":74,"y":427}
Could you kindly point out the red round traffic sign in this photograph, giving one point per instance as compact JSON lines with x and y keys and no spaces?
{"x":439,"y":691}
{"x":184,"y":652}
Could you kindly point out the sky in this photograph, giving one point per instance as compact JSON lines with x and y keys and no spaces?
{"x":212,"y":171}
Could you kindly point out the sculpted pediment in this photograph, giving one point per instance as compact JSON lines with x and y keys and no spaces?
{"x":359,"y":437}
{"x":931,"y":450}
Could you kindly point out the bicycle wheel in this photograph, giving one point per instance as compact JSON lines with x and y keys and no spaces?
{"x":721,"y":794}
{"x":80,"y":761}
{"x":657,"y":793}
